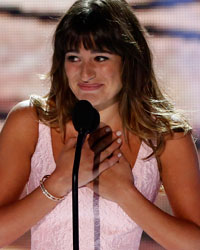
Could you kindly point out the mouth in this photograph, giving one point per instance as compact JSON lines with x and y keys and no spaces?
{"x":89,"y":87}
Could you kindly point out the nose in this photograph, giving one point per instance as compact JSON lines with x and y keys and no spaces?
{"x":87,"y":71}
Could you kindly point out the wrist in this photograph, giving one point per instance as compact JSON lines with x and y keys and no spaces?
{"x":57,"y":185}
{"x":127,"y":195}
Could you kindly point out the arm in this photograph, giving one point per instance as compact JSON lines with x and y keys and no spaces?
{"x":18,"y":139}
{"x":181,"y":179}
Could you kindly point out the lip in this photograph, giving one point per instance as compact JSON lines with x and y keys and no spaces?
{"x":89,"y":87}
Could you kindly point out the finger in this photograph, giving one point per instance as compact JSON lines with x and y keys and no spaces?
{"x":109,"y":162}
{"x":106,"y":141}
{"x":98,"y":134}
{"x":122,"y":158}
{"x":119,"y":153}
{"x":108,"y":151}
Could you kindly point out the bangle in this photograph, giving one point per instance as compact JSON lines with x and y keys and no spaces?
{"x":46,"y":193}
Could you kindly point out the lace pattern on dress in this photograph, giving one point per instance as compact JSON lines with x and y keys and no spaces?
{"x":103,"y":225}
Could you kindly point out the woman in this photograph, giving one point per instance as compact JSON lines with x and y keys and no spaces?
{"x":100,"y":55}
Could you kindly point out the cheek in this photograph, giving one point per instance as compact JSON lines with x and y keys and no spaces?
{"x":70,"y":76}
{"x":67,"y":71}
{"x":111,"y":72}
{"x":115,"y":72}
{"x":116,"y":79}
{"x":70,"y":71}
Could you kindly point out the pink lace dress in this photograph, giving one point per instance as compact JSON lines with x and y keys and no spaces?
{"x":103,"y":225}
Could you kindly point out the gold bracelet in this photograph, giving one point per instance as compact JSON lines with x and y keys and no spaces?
{"x":46,"y":193}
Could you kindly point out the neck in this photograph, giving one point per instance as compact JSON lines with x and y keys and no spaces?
{"x":110,"y":116}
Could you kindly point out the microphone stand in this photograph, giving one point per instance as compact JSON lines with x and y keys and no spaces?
{"x":85,"y":119}
{"x":80,"y":140}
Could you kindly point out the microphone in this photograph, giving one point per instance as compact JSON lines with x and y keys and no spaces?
{"x":85,"y":119}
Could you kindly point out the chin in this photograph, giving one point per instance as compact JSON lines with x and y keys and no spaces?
{"x":95,"y":103}
{"x":92,"y":99}
{"x":98,"y":103}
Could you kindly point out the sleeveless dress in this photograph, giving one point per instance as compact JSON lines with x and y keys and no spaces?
{"x":103,"y":225}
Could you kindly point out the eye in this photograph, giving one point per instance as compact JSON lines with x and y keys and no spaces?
{"x":72,"y":58}
{"x":101,"y":58}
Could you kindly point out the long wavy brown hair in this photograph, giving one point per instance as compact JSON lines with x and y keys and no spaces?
{"x":98,"y":24}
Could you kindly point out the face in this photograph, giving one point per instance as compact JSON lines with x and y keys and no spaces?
{"x":94,"y":76}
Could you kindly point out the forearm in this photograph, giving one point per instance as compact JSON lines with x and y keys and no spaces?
{"x":168,"y":231}
{"x":20,"y":216}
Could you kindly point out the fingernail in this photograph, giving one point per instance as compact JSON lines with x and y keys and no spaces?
{"x":119,"y":155}
{"x":119,"y":140}
{"x":108,"y":129}
{"x":118,"y":133}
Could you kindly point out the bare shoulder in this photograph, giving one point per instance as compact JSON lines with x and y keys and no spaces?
{"x":23,"y":111}
{"x":179,"y":146}
{"x":22,"y":121}
{"x":181,"y":176}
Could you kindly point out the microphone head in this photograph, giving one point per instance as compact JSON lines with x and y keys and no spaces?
{"x":85,"y":117}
